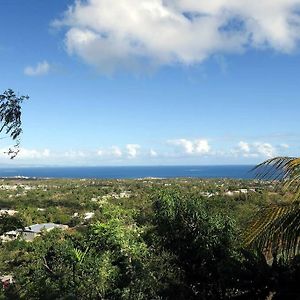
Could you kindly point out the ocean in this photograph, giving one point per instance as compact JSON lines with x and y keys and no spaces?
{"x":233,"y":171}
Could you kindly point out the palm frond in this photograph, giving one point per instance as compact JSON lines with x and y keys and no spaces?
{"x":286,"y":169}
{"x":79,"y":255}
{"x":274,"y":168}
{"x":276,"y":230}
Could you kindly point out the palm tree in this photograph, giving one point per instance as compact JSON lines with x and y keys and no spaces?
{"x":276,"y":228}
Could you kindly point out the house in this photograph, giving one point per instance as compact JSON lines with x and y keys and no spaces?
{"x":30,"y":232}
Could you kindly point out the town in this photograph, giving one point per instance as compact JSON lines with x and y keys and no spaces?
{"x":32,"y":211}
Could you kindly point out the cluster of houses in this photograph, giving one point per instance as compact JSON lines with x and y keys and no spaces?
{"x":113,"y":195}
{"x":240,"y":191}
{"x":228,"y":193}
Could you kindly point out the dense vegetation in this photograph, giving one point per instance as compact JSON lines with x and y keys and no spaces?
{"x":147,"y":239}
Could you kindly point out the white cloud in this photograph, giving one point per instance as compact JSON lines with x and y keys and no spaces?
{"x":120,"y":34}
{"x":244,"y":147}
{"x":265,"y":149}
{"x":111,"y":152}
{"x":177,"y":151}
{"x":115,"y":151}
{"x":42,"y":68}
{"x":199,"y":146}
{"x":186,"y":144}
{"x":285,"y":146}
{"x":132,"y":150}
{"x":25,"y":153}
{"x":153,"y":153}
{"x":73,"y":154}
{"x":256,"y":149}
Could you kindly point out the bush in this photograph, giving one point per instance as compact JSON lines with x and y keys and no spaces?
{"x":206,"y":248}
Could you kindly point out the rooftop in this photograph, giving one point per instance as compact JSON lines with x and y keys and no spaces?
{"x":37,"y":228}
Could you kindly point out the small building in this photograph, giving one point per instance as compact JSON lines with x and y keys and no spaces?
{"x":29,"y":233}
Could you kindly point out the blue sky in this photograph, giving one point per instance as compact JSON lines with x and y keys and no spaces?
{"x":146,"y":83}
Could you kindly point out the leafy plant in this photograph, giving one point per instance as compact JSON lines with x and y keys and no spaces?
{"x":276,"y":229}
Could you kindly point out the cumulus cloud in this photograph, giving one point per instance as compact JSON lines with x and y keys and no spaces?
{"x":132,"y":150}
{"x":265,"y":149}
{"x":33,"y":154}
{"x":198,"y":146}
{"x":244,"y":147}
{"x":256,"y":149}
{"x":201,"y":146}
{"x":116,"y":151}
{"x":111,"y":152}
{"x":186,"y":144}
{"x":73,"y":154}
{"x":114,"y":34}
{"x":42,"y":68}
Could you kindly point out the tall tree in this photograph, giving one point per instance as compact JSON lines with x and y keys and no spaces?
{"x":10,"y":118}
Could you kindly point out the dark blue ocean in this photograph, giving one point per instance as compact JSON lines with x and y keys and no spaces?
{"x":236,"y":171}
